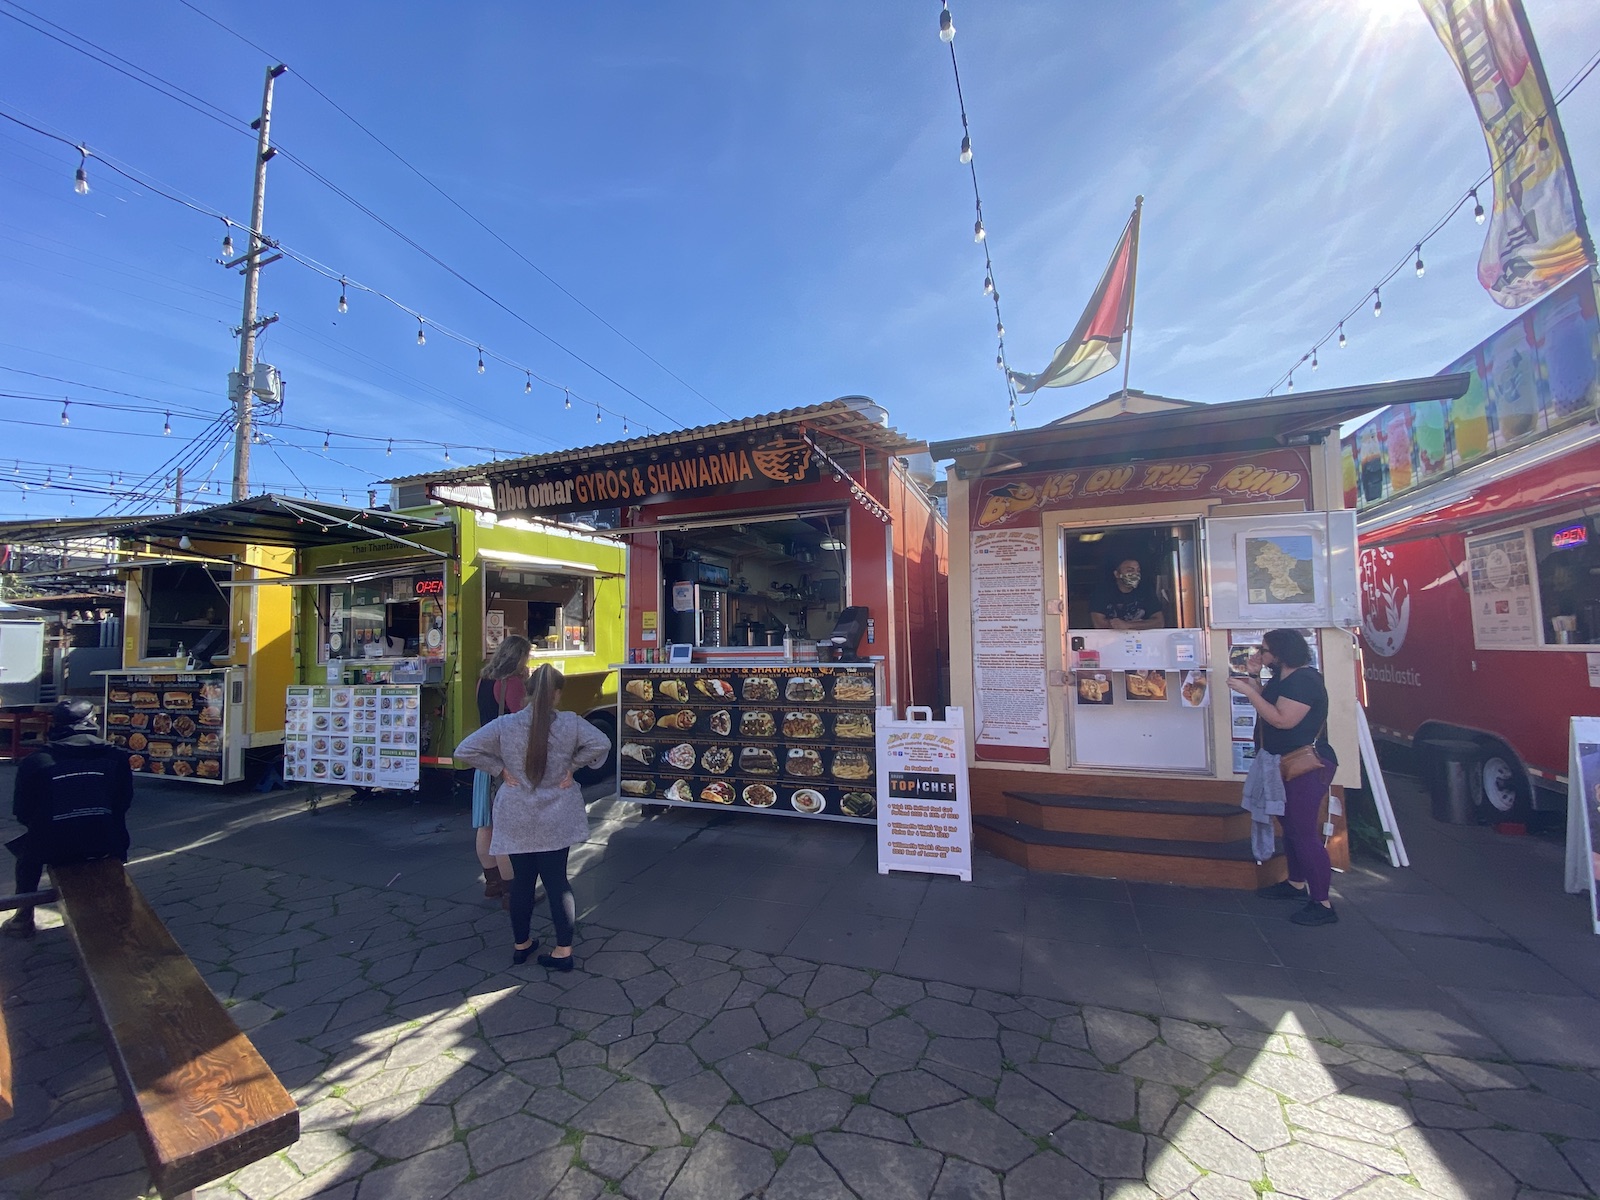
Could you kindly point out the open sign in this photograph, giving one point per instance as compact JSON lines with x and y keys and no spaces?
{"x":1570,"y":538}
{"x":430,"y":587}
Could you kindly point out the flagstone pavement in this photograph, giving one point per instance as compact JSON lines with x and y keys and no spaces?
{"x":675,"y":1067}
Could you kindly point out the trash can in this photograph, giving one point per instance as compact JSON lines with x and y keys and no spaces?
{"x":1454,"y":782}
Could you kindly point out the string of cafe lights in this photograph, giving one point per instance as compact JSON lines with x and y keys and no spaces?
{"x":1336,"y":334}
{"x":980,"y":231}
{"x":198,"y":104}
{"x":347,"y":285}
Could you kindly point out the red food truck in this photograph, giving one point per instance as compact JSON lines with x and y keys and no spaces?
{"x":1480,"y":558}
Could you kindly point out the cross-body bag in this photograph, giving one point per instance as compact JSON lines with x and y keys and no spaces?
{"x":1303,"y":759}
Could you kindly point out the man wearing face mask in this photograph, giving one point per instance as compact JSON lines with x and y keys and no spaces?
{"x":1127,"y":602}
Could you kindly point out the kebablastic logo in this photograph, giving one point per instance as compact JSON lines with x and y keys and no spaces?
{"x":1385,"y":603}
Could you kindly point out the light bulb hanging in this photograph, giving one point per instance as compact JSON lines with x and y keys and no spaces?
{"x":388,"y":451}
{"x":1377,"y":303}
{"x":568,"y":394}
{"x":1477,"y":207}
{"x":65,"y":420}
{"x":947,"y":26}
{"x":344,"y":305}
{"x":422,"y":338}
{"x":227,"y":238}
{"x":624,"y":426}
{"x":447,"y":454}
{"x":528,"y":387}
{"x":1420,"y":267}
{"x":978,"y":231}
{"x":966,"y":149}
{"x":988,"y":285}
{"x":1341,"y":335}
{"x":597,"y":413}
{"x":1291,"y":383}
{"x":1314,"y":363}
{"x":80,"y":178}
{"x":999,"y":329}
{"x":480,"y":360}
{"x":325,"y":442}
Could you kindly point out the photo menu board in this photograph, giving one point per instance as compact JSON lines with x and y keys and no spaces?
{"x":363,"y":735}
{"x":170,"y":723}
{"x":796,"y":739}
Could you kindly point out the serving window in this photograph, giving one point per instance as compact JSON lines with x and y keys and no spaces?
{"x":1131,"y":576}
{"x":397,"y":617}
{"x":1568,"y":556}
{"x":186,"y":611}
{"x":552,"y":610}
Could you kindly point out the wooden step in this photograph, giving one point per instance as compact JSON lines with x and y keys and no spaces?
{"x":1130,"y":817}
{"x":1229,"y":864}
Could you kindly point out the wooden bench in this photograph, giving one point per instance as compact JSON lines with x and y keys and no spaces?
{"x":199,"y":1097}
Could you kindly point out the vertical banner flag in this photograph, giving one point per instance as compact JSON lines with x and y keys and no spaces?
{"x":1096,"y":344}
{"x":1537,"y":234}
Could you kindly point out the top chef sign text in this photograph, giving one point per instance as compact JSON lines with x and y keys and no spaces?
{"x":1018,"y":500}
{"x":641,"y":476}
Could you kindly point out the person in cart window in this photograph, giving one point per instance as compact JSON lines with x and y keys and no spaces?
{"x":72,"y":799}
{"x":1127,"y":600}
{"x":1292,"y":724}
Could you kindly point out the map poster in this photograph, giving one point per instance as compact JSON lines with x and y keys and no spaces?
{"x":1501,"y":585}
{"x":1008,"y":667}
{"x":1281,"y":575}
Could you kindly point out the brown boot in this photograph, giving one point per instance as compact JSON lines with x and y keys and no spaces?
{"x":493,"y":886}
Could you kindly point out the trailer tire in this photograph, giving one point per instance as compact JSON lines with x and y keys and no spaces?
{"x":1507,"y":792}
{"x":606,"y":723}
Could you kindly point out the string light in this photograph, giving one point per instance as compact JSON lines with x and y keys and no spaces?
{"x":978,"y":231}
{"x":1477,"y":207}
{"x":1314,"y":363}
{"x":1291,"y":383}
{"x":1377,"y":303}
{"x":227,"y":238}
{"x":447,"y":454}
{"x":528,"y":387}
{"x":624,"y":426}
{"x":344,"y":305}
{"x":325,"y":442}
{"x":1420,"y":267}
{"x":966,"y":149}
{"x":597,"y":414}
{"x":947,"y":26}
{"x":568,"y":394}
{"x":80,"y":180}
{"x":1342,"y":340}
{"x":388,"y":451}
{"x":988,"y":285}
{"x":480,"y":360}
{"x":422,"y":338}
{"x":65,"y":420}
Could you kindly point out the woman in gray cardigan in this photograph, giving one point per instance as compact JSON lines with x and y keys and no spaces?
{"x":538,"y":811}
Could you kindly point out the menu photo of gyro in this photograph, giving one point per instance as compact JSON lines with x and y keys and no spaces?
{"x":170,"y":724}
{"x":796,"y":739}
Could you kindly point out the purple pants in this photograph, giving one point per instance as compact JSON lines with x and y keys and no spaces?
{"x":1302,"y":832}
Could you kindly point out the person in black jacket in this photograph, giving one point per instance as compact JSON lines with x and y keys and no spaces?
{"x":72,"y":800}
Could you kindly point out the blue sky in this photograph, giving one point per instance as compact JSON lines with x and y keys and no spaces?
{"x":765,"y":198}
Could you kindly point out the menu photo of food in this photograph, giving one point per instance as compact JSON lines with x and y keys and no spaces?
{"x":366,"y":735}
{"x":1195,"y":690}
{"x":163,"y":715}
{"x":1093,"y":687}
{"x":1145,"y":685}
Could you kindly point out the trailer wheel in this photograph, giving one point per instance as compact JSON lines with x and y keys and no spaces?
{"x":606,"y":723}
{"x":1507,"y":794}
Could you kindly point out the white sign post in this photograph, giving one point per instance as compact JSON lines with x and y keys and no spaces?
{"x":924,"y":806}
{"x":1583,"y":812}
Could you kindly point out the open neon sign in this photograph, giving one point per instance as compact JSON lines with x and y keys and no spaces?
{"x":1570,"y":538}
{"x":430,"y":587}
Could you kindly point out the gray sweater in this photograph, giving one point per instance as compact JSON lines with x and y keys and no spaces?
{"x":542,"y":815}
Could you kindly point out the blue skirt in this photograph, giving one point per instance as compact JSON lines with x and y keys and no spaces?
{"x":482,"y":800}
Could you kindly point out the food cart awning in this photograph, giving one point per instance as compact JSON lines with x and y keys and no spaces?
{"x":267,"y":520}
{"x":388,"y":568}
{"x":565,"y":566}
{"x":792,"y":446}
{"x":1257,"y":424}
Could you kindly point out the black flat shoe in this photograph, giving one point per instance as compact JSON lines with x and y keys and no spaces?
{"x":1282,"y":890}
{"x":1315,"y":914}
{"x":564,"y":963}
{"x":518,"y":957}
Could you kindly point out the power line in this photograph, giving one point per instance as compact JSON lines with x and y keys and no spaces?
{"x":468,"y":213}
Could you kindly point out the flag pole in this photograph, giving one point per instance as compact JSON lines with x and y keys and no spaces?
{"x":1133,"y":293}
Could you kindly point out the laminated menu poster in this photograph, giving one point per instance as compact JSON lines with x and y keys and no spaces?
{"x":927,"y":809}
{"x":170,"y":724}
{"x":363,"y":735}
{"x":1008,"y":667}
{"x":796,"y":739}
{"x":1500,"y":582}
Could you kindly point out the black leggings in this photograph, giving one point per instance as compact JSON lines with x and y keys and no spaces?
{"x":551,"y":867}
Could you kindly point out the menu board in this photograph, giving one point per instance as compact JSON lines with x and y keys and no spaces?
{"x":1008,"y":670}
{"x":170,"y":724}
{"x":1500,"y":582}
{"x":795,"y":739}
{"x":922,"y":773}
{"x":365,"y":735}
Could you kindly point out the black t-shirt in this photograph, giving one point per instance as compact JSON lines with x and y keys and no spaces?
{"x":1306,"y":686}
{"x":1114,"y":604}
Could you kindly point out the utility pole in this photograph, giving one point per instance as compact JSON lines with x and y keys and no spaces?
{"x":240,"y":384}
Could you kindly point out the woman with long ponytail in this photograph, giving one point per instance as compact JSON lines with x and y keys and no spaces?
{"x":538,"y":811}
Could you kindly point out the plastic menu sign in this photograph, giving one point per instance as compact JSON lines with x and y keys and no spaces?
{"x":925,"y":823}
{"x":358,"y":735}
